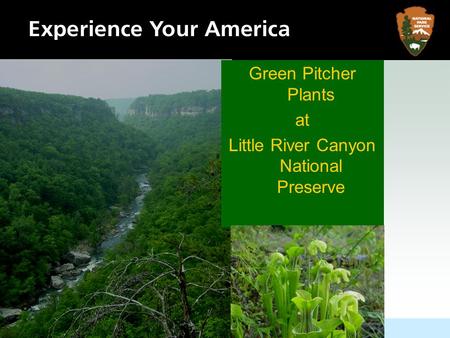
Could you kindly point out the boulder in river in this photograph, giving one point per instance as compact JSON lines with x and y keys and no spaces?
{"x":71,"y":273}
{"x":57,"y":282}
{"x":10,"y":315}
{"x":78,"y":258}
{"x":64,"y":268}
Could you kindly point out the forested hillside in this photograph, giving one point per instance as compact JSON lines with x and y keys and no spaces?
{"x":170,"y":277}
{"x":185,"y":203}
{"x":187,"y":103}
{"x":64,"y":160}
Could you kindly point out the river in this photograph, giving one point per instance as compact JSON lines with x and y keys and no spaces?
{"x":126,"y":222}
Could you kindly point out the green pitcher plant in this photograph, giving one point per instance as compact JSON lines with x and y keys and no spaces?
{"x":302,"y":296}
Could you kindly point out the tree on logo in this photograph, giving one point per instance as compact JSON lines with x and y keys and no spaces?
{"x":406,"y":29}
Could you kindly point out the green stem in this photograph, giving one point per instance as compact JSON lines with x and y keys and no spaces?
{"x":360,"y":240}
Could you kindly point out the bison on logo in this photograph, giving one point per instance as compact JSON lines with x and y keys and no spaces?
{"x":415,"y":27}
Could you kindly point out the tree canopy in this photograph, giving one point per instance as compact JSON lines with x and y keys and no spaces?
{"x":63,"y":161}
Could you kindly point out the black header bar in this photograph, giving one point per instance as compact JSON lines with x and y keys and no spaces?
{"x":320,"y":30}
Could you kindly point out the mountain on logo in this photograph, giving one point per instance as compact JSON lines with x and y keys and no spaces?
{"x":421,"y":31}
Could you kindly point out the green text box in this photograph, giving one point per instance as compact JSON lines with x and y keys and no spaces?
{"x":260,"y":110}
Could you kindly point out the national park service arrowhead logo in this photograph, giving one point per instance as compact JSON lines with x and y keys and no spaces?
{"x":415,"y":27}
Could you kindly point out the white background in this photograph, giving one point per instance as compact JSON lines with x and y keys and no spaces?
{"x":417,"y":189}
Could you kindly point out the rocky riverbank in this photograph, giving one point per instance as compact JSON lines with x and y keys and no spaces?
{"x":75,"y":262}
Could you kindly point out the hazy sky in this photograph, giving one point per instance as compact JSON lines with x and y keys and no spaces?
{"x":110,"y":78}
